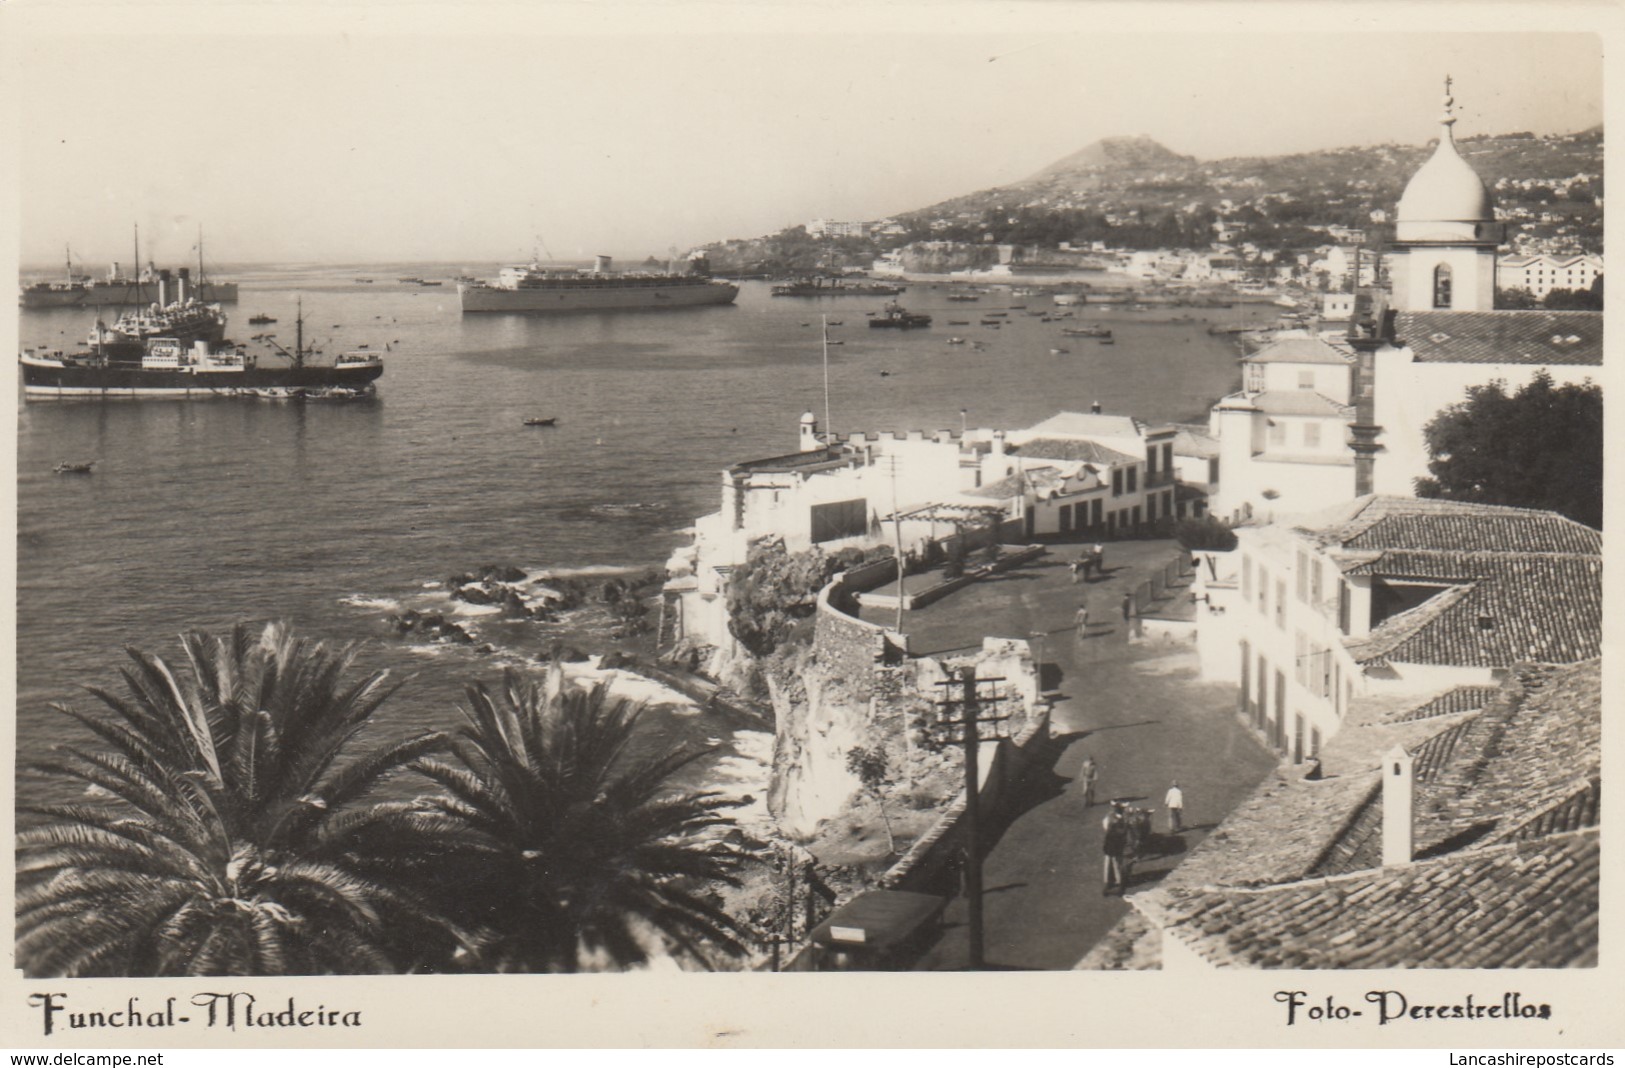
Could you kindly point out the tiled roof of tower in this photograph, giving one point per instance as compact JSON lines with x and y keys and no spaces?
{"x":1507,"y":807}
{"x":1087,"y":425}
{"x":1072,"y":449}
{"x":1512,"y":337}
{"x":1193,"y":440}
{"x":1300,"y":350}
{"x":1300,"y":402}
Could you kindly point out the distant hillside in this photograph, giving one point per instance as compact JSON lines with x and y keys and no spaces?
{"x":1136,"y":175}
{"x":1132,"y":192}
{"x":1110,"y":154}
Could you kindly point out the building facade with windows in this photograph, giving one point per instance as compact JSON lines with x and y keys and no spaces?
{"x":1388,"y":596}
{"x":1283,"y":440}
{"x":1542,"y":274}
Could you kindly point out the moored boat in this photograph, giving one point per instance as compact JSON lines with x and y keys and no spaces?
{"x":834,"y":287}
{"x":197,"y":367}
{"x":895,"y":317}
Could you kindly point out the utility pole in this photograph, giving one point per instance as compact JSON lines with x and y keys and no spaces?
{"x":897,"y":539}
{"x":788,"y":936}
{"x":968,"y":723}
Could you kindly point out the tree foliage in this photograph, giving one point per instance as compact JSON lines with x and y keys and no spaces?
{"x":217,"y":837}
{"x":776,"y":589}
{"x":1204,"y":533}
{"x":559,"y":848}
{"x":873,"y":769}
{"x":1540,"y":447}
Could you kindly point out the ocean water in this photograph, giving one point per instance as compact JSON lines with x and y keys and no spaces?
{"x":330,"y":517}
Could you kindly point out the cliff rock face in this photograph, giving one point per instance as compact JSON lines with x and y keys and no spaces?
{"x":849,"y":690}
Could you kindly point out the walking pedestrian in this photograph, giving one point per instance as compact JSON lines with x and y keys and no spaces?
{"x":1128,"y":606}
{"x":1077,"y":568}
{"x":1089,"y":774}
{"x":1175,"y":800}
{"x":1082,"y":620}
{"x":1112,"y":848}
{"x":1100,"y":558}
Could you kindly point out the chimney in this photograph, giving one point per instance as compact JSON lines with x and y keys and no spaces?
{"x":1094,"y":408}
{"x":1398,"y":813}
{"x":809,"y":433}
{"x":998,"y":443}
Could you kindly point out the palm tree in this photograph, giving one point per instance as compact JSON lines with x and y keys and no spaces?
{"x":568,"y":852}
{"x":222,"y":814}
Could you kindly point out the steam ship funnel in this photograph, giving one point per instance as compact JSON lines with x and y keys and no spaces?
{"x":600,"y":264}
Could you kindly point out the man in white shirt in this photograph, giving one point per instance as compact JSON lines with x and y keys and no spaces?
{"x":1175,"y":800}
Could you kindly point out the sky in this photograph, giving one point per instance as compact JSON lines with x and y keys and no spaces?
{"x":407,"y":134}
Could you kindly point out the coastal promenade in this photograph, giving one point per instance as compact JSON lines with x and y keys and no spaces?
{"x":1138,"y":708}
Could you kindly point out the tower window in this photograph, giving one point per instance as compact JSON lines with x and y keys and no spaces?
{"x":1441,"y":286}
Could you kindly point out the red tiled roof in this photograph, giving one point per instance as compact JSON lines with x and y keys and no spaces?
{"x":1460,"y":699}
{"x":1465,"y":527}
{"x":1508,"y":607}
{"x":1515,"y":337}
{"x":1526,"y":905}
{"x":1527,"y":584}
{"x":1532,"y":748}
{"x":1507,"y":810}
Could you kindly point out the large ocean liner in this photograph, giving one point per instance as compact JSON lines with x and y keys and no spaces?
{"x":194,"y":366}
{"x":535,"y":288}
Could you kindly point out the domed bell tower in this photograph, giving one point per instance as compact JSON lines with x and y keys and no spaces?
{"x":1446,"y":234}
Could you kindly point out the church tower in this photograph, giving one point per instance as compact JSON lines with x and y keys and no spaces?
{"x":1446,"y":233}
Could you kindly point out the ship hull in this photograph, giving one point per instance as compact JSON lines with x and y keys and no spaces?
{"x":43,"y":381}
{"x":121,"y":294}
{"x":595,"y":298}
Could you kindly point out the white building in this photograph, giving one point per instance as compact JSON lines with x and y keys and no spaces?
{"x":1542,"y":274}
{"x":1389,"y":596}
{"x":1077,"y":474}
{"x":833,"y":228}
{"x":1283,"y":440}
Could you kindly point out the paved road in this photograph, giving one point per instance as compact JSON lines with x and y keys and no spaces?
{"x":1139,"y":709}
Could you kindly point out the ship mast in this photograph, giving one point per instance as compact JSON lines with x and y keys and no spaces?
{"x":140,"y":298}
{"x":299,"y":334}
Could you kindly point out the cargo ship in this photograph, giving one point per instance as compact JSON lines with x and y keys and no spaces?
{"x":168,"y":367}
{"x":534,"y":288}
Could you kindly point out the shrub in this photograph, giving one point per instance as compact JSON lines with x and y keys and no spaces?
{"x":1204,"y":533}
